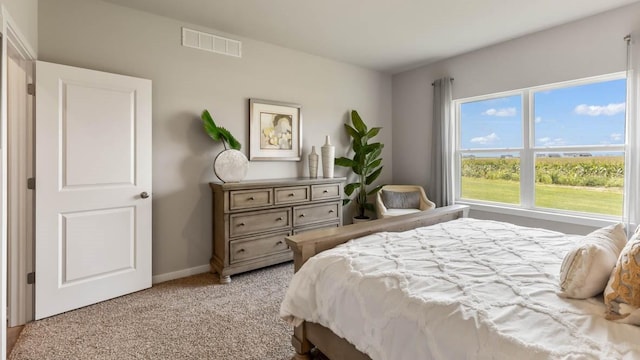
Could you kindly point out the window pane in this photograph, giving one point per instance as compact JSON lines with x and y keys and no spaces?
{"x":491,"y":177}
{"x":491,"y":124}
{"x":589,"y":182}
{"x":592,"y":114}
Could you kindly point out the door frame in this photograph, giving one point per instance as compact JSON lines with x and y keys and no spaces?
{"x":11,"y":36}
{"x":20,"y":164}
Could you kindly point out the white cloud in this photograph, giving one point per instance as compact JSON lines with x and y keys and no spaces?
{"x":596,"y":110}
{"x":501,"y":112}
{"x":547,"y":141}
{"x":489,"y":139}
{"x":538,"y":120}
{"x":615,"y":137}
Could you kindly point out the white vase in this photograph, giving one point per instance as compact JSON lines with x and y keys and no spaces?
{"x":230,"y":166}
{"x":313,"y":163}
{"x":328,"y":157}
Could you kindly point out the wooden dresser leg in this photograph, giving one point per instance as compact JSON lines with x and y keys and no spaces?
{"x":225,"y":279}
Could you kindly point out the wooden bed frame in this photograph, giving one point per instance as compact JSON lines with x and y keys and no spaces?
{"x":305,"y":245}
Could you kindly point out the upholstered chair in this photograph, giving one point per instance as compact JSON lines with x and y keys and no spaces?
{"x":393,"y":200}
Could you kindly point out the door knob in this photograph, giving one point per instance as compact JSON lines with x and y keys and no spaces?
{"x":144,"y":195}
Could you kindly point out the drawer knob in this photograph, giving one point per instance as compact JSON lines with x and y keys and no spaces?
{"x":292,"y":195}
{"x":331,"y":211}
{"x":325,"y":191}
{"x":301,"y":215}
{"x":279,"y":242}
{"x":251,"y":198}
{"x":241,"y":224}
{"x":279,"y":219}
{"x":241,"y":250}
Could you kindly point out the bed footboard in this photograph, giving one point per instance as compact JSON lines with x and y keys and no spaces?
{"x":307,"y":244}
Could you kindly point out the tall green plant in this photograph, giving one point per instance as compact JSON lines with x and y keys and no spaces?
{"x":366,"y":163}
{"x":218,"y":133}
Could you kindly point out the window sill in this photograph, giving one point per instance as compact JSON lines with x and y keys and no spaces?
{"x":586,"y":220}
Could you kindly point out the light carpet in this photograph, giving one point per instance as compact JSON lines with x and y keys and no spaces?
{"x":189,"y":318}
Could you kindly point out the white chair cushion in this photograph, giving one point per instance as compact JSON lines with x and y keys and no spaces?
{"x":396,"y":212}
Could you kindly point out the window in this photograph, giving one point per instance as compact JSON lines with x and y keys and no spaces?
{"x":559,"y":147}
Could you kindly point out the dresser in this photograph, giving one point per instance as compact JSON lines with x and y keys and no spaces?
{"x":252,"y":218}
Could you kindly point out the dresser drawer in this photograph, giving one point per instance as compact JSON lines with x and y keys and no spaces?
{"x":241,"y":250}
{"x":289,"y":195}
{"x":246,"y":199}
{"x":310,"y":214}
{"x":303,"y":229}
{"x":329,"y":191}
{"x":254,"y":222}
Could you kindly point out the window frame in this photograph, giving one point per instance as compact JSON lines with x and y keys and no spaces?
{"x":528,"y":151}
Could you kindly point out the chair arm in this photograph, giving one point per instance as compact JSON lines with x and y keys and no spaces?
{"x":380,"y":208}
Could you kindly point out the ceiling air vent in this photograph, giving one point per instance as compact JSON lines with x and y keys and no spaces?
{"x":209,"y":42}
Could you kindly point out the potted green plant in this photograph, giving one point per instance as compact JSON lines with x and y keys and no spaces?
{"x":366,"y":163}
{"x":231,"y":164}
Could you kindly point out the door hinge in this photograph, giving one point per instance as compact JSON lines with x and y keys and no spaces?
{"x":31,"y":278}
{"x":31,"y":89}
{"x":31,"y":183}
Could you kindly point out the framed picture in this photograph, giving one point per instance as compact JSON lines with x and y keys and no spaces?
{"x":275,"y":130}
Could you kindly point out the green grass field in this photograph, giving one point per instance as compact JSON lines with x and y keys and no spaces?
{"x":598,"y":200}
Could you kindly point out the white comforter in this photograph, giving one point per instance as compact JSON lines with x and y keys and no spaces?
{"x":465,"y":289}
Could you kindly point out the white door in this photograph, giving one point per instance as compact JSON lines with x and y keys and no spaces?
{"x":93,"y":187}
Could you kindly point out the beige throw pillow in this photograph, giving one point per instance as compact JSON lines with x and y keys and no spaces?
{"x":622,"y":294}
{"x":587,"y":267}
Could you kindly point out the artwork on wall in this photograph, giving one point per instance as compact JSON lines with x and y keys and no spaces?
{"x":275,"y":130}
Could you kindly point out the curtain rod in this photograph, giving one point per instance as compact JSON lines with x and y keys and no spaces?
{"x":433,"y":83}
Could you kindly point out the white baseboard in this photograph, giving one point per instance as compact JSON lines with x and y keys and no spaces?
{"x":180,"y":274}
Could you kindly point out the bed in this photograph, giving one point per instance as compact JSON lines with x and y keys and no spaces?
{"x":439,"y":285}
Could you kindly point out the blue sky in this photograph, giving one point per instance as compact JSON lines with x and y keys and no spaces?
{"x":592,"y":114}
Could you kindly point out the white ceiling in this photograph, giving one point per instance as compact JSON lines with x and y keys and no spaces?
{"x":384,"y":35}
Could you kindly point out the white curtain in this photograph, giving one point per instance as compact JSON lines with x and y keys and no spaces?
{"x":632,"y":160}
{"x":441,"y":185}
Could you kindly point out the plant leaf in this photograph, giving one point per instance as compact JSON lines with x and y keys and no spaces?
{"x":345,"y":201}
{"x":351,"y":131}
{"x":226,"y":136}
{"x":343,"y":161}
{"x":375,"y":190}
{"x":375,"y":153}
{"x":349,"y":188}
{"x":210,"y":126}
{"x":373,"y":132}
{"x":374,"y":164}
{"x":358,"y":123}
{"x":218,"y":133}
{"x":374,"y":175}
{"x":372,"y":147}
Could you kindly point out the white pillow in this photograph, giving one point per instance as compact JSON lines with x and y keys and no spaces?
{"x":587,"y":267}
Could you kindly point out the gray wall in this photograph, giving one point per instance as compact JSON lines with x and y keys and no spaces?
{"x":589,"y":47}
{"x":107,"y":37}
{"x":25,"y":15}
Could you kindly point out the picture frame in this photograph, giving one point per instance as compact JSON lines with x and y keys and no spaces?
{"x":275,"y":131}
